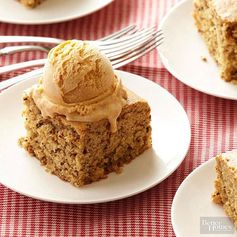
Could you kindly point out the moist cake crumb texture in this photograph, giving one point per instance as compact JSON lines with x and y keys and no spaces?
{"x":226,"y":183}
{"x":218,"y":27}
{"x":81,"y":153}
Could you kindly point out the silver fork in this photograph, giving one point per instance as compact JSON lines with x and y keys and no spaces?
{"x":132,"y":51}
{"x":101,"y":43}
{"x":114,"y":48}
{"x":47,"y":40}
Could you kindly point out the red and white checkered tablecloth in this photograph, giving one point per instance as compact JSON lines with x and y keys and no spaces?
{"x":213,"y":123}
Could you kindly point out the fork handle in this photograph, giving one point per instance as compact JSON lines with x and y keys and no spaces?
{"x":22,"y":48}
{"x":18,"y":66}
{"x":29,"y":39}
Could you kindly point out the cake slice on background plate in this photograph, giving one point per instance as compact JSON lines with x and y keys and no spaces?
{"x":226,"y":183}
{"x":216,"y":20}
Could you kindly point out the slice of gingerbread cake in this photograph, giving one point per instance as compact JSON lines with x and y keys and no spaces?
{"x":226,"y":183}
{"x":216,"y":20}
{"x":81,"y":122}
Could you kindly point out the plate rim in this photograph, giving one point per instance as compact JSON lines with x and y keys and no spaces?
{"x":140,"y":190}
{"x":210,"y":161}
{"x":172,"y":70}
{"x":55,"y":20}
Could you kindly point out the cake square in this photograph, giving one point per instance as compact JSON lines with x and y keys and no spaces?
{"x":84,"y":152}
{"x":226,"y":183}
{"x":216,"y":20}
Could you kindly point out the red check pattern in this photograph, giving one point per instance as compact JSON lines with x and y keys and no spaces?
{"x":213,"y":123}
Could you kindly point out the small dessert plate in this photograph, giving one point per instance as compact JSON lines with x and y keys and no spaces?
{"x":183,"y":51}
{"x":49,"y":11}
{"x":193,"y":213}
{"x":24,"y":174}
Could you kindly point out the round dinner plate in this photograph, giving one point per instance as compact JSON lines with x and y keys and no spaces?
{"x":23,"y":174}
{"x":49,"y":11}
{"x":182,"y":52}
{"x":193,"y":210}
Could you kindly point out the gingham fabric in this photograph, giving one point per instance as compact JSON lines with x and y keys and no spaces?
{"x":213,"y":123}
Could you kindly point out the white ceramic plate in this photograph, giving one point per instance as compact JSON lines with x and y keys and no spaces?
{"x":171,"y":138}
{"x":182,"y":53}
{"x":192,"y":201}
{"x":50,"y":11}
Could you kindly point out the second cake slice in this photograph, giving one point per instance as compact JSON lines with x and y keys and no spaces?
{"x":216,"y":21}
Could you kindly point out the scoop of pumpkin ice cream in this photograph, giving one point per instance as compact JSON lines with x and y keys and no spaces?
{"x":77,"y":71}
{"x":79,"y":82}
